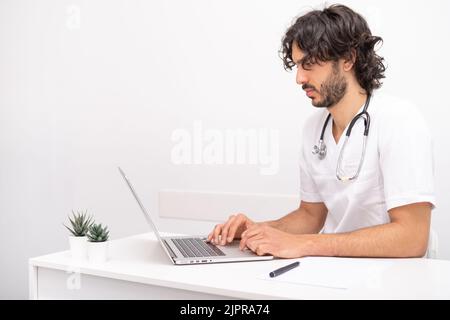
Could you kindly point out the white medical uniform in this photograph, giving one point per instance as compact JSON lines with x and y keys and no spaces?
{"x":398,"y":168}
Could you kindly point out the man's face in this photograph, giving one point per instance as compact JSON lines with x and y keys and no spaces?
{"x":324,"y":82}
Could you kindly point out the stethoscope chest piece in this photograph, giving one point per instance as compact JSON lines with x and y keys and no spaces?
{"x":320,"y":150}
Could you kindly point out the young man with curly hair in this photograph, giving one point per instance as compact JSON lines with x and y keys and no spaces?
{"x":366,"y":164}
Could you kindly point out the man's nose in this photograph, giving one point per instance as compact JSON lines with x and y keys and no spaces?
{"x":301,"y":78}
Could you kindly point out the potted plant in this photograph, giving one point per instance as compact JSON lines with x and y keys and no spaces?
{"x":80,"y":223}
{"x":98,"y":236}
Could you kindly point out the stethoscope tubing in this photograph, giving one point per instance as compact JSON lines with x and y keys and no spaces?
{"x":321,"y":148}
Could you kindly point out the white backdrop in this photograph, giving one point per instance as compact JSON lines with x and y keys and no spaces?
{"x":89,"y":85}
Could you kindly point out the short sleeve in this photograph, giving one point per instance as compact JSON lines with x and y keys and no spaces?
{"x":308,"y":188}
{"x":406,"y":158}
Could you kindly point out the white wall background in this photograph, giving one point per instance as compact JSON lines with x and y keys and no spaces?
{"x":80,"y":96}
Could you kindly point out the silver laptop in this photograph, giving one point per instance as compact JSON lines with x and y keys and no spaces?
{"x":196,"y":250}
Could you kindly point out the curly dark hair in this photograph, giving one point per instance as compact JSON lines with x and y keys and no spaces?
{"x":331,"y":34}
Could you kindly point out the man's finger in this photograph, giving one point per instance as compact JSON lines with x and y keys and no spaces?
{"x":217,"y":231}
{"x":247,"y":241}
{"x":254,"y":243}
{"x":261,"y":249}
{"x":225,"y":229}
{"x":233,"y":228}
{"x":252,"y":231}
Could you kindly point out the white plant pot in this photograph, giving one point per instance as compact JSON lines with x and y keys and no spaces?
{"x":98,"y":251}
{"x":78,"y":247}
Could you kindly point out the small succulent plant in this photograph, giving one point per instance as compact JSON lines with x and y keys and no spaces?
{"x":98,"y":233}
{"x":80,"y":223}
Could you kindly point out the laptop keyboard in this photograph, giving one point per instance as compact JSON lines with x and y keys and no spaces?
{"x":195,"y":247}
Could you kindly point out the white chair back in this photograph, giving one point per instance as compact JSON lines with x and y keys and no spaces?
{"x":433,"y":245}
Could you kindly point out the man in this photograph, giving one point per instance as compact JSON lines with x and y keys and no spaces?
{"x":381,"y":210}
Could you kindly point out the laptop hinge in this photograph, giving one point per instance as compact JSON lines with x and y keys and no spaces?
{"x":172,"y":254}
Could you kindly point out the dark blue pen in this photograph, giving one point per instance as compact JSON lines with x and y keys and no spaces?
{"x":282,"y":270}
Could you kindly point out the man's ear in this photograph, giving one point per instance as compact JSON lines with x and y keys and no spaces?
{"x":349,"y":61}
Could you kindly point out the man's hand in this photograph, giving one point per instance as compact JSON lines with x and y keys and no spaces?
{"x":225,"y":232}
{"x":263,"y":239}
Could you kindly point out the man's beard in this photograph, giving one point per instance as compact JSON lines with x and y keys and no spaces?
{"x":332,"y":90}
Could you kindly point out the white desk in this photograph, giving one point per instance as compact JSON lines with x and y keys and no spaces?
{"x":139,"y":269}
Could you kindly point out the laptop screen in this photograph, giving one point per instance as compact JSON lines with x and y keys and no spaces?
{"x":146,"y":215}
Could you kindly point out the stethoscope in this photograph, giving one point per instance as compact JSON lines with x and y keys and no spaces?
{"x":321,"y":148}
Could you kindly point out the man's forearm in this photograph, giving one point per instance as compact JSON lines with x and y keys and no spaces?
{"x":299,"y":221}
{"x":388,"y":240}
